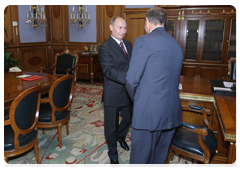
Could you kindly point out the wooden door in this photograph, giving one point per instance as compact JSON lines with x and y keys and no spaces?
{"x":135,"y":26}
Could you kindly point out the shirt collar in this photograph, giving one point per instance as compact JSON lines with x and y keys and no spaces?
{"x":155,"y":28}
{"x":117,"y":40}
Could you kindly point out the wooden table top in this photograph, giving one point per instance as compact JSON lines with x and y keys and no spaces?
{"x":13,"y":86}
{"x":196,"y":88}
{"x":195,"y":85}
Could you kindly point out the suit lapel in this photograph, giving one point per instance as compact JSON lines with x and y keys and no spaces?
{"x":117,"y":47}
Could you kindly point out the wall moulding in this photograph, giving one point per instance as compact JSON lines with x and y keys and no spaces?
{"x":211,"y":13}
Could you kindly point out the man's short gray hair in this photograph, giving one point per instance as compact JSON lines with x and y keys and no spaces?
{"x":157,"y":15}
{"x":113,"y":20}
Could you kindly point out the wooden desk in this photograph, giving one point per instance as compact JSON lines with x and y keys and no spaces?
{"x":13,"y":86}
{"x":226,"y":108}
{"x":196,"y":90}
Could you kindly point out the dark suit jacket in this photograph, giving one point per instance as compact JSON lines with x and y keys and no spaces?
{"x":114,"y":64}
{"x":153,"y":79}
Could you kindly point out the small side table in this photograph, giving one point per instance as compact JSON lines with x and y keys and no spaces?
{"x":89,"y":67}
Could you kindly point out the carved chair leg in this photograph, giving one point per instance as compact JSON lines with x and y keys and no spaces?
{"x":36,"y":152}
{"x":60,"y":135}
{"x":43,"y":131}
{"x":169,"y":155}
{"x":206,"y":162}
{"x":5,"y":161}
{"x":172,"y":155}
{"x":67,"y":128}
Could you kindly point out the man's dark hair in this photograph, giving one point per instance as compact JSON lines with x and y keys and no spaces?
{"x":157,"y":15}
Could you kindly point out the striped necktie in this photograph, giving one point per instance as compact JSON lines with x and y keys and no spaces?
{"x":121,"y":44}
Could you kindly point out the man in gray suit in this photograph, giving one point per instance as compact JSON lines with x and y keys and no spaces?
{"x":114,"y":56}
{"x":152,"y":82}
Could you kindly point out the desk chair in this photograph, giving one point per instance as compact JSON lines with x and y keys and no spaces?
{"x":232,"y":69}
{"x":194,"y":141}
{"x":20,"y":130}
{"x":65,"y":64}
{"x":55,"y":110}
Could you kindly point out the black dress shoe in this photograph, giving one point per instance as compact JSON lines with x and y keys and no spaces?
{"x":124,"y":145}
{"x":114,"y":161}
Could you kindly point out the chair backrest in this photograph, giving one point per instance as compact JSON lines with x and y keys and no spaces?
{"x":65,"y":60}
{"x":24,"y":110}
{"x":232,"y":68}
{"x":198,"y":110}
{"x":60,"y":93}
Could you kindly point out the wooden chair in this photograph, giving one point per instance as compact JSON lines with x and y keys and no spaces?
{"x":231,"y":69}
{"x":55,"y":110}
{"x":20,"y":130}
{"x":65,"y":64}
{"x":194,"y":141}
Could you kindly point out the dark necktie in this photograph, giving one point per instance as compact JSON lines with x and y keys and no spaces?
{"x":121,"y":44}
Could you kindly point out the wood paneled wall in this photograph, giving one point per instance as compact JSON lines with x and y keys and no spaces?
{"x":35,"y":55}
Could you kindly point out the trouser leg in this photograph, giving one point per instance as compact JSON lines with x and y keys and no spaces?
{"x":111,"y":119}
{"x":150,"y":147}
{"x":141,"y":146}
{"x":126,"y":114}
{"x":162,"y":146}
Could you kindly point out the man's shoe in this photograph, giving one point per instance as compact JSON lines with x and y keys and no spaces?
{"x":114,"y":161}
{"x":124,"y":145}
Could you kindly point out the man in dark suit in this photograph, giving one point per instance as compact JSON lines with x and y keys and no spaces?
{"x":114,"y":56}
{"x":152,"y":82}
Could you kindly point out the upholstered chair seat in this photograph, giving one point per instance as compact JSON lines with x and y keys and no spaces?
{"x":45,"y":114}
{"x":23,"y":139}
{"x":188,"y":141}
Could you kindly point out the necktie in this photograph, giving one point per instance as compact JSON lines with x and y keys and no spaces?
{"x":121,"y":44}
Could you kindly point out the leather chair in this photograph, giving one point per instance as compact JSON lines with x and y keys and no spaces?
{"x":232,"y":69}
{"x":194,"y":141}
{"x":55,"y":110}
{"x":65,"y":64}
{"x":20,"y":130}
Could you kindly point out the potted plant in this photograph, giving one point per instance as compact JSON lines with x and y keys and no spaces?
{"x":8,"y":62}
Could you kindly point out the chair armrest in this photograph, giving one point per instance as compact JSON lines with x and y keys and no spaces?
{"x":194,"y":129}
{"x":72,"y":69}
{"x":196,"y":109}
{"x":7,"y":122}
{"x":47,"y":68}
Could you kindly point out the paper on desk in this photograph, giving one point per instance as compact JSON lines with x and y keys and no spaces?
{"x":228,"y":84}
{"x":24,"y":75}
{"x":221,"y":88}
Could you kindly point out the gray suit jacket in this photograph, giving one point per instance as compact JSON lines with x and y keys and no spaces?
{"x":114,"y":64}
{"x":152,"y":81}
